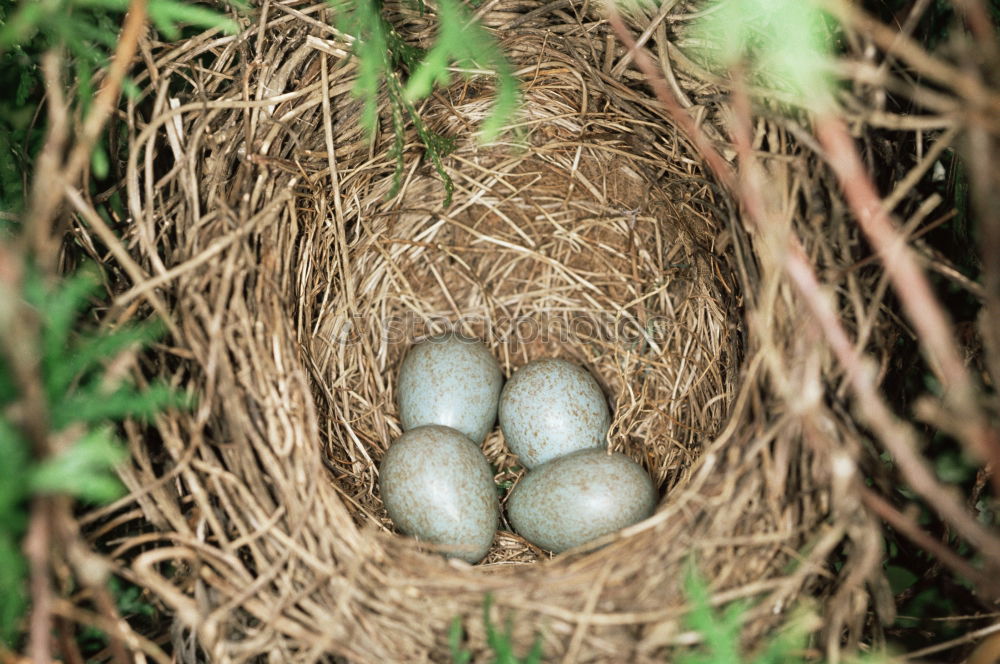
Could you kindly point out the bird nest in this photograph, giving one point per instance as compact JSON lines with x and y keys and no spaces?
{"x":294,"y":280}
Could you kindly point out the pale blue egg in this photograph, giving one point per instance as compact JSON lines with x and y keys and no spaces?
{"x":579,"y":497}
{"x":450,"y":380}
{"x":436,"y":484}
{"x":551,"y":407}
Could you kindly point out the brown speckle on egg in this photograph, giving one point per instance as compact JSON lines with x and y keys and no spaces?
{"x":437,"y":485}
{"x":551,"y":407}
{"x":579,"y":497}
{"x":452,"y":381}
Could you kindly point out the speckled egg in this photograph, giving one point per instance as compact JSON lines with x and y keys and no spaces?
{"x":551,"y":407}
{"x":437,"y":485}
{"x":451,"y":380}
{"x":580,"y":497}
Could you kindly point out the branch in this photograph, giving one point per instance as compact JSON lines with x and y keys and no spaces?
{"x":934,"y":328}
{"x":36,"y":547}
{"x":719,"y":166}
{"x":909,"y":528}
{"x":981,"y":99}
{"x":50,"y":178}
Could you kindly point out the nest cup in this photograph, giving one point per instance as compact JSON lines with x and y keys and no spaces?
{"x":295,"y":284}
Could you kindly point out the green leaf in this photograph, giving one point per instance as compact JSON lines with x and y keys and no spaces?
{"x":166,"y":15}
{"x":507,"y":102}
{"x":535,"y":654}
{"x":22,"y":26}
{"x":465,"y":42}
{"x":99,"y":162}
{"x":899,"y":578}
{"x":84,"y":470}
{"x":111,"y":5}
{"x":87,"y":354}
{"x":8,"y":392}
{"x":790,"y":640}
{"x":459,"y":655}
{"x":787,"y":44}
{"x":94,"y":407}
{"x":60,"y":307}
{"x":721,"y":634}
{"x":13,"y":491}
{"x":13,"y":598}
{"x":363,"y":20}
{"x":953,"y":468}
{"x":130,"y":600}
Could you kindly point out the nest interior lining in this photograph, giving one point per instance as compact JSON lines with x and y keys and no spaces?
{"x":558,"y":244}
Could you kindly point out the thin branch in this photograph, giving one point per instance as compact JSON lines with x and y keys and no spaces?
{"x":37,"y":544}
{"x":909,"y":528}
{"x":934,"y":328}
{"x":92,"y":573}
{"x":49,"y":178}
{"x":47,"y":166}
{"x":722,"y":170}
{"x":983,"y":99}
{"x":953,"y":643}
{"x":107,"y":99}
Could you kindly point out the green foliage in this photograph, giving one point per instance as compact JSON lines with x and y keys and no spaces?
{"x":786,"y":44}
{"x":13,"y":568}
{"x":383,"y":55}
{"x":468,"y":45}
{"x":72,"y":368}
{"x":720,"y":632}
{"x":87,"y":31}
{"x":500,"y":642}
{"x":89,"y":28}
{"x":132,"y":606}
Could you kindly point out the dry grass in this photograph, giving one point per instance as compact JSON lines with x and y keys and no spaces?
{"x":294,"y":286}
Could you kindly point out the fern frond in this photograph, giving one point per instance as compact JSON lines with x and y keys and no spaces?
{"x":467,"y":44}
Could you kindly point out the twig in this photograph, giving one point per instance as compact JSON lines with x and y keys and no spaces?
{"x":971,"y":88}
{"x":67,"y":641}
{"x":948,"y":645}
{"x":91,"y":572}
{"x":48,"y":193}
{"x":933,"y":326}
{"x":47,"y":167}
{"x":898,"y":436}
{"x":107,"y":99}
{"x":722,"y":170}
{"x":912,"y":531}
{"x":19,"y":328}
{"x":134,"y":641}
{"x":36,"y":548}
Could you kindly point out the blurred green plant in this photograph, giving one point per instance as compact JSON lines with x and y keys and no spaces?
{"x":132,"y":606}
{"x":81,"y":403}
{"x":383,"y":56}
{"x":500,"y":642}
{"x":720,"y":631}
{"x":783,"y":44}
